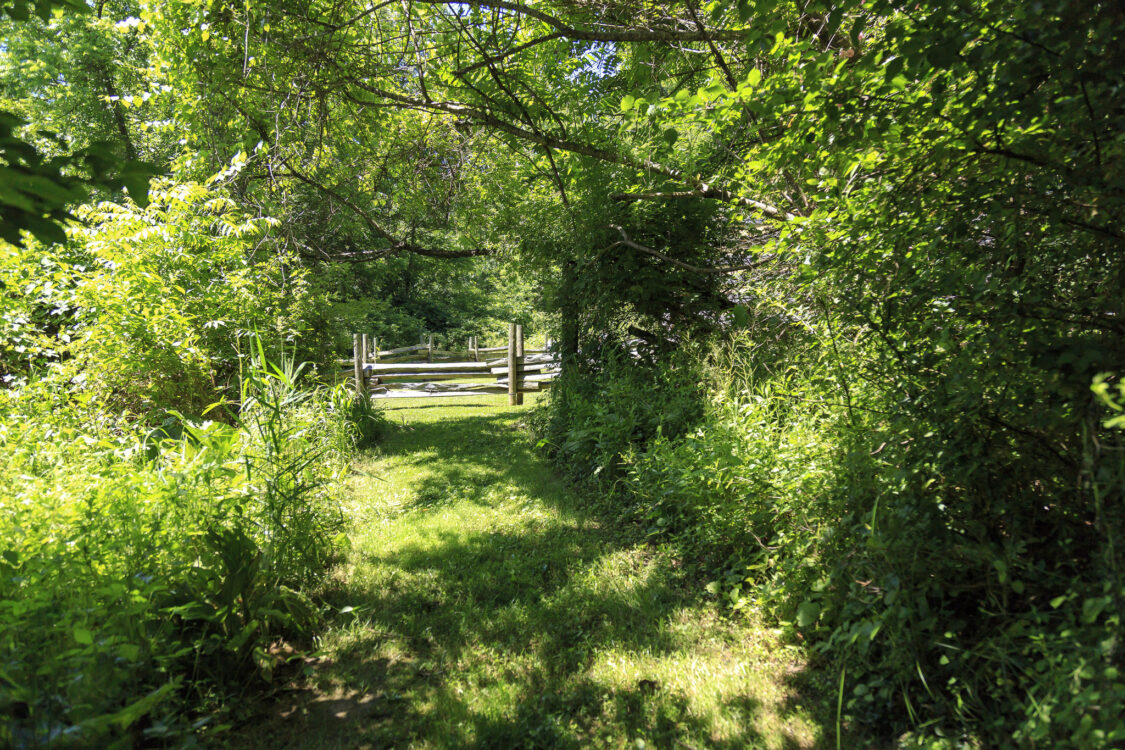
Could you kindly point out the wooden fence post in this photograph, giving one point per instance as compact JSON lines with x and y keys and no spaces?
{"x":430,"y":348}
{"x":375,"y":349}
{"x":519,"y":360}
{"x":513,"y":383}
{"x":358,"y":356}
{"x":363,"y":363}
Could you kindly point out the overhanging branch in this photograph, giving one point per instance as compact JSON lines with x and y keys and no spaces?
{"x":587,"y":35}
{"x":686,"y":266}
{"x":565,"y":144}
{"x":396,"y":245}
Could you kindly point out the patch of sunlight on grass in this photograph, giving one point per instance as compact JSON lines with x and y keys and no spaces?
{"x":484,"y":605}
{"x":727,"y":679}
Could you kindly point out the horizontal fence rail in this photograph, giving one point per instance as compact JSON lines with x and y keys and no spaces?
{"x":421,"y":371}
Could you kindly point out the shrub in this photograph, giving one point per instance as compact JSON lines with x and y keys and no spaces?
{"x":952,"y":609}
{"x":143,"y":578}
{"x":156,"y":306}
{"x":606,"y":406}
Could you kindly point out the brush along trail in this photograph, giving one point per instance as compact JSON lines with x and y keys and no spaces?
{"x":484,"y":604}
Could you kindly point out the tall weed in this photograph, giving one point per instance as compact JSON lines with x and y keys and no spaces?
{"x":144,"y":578}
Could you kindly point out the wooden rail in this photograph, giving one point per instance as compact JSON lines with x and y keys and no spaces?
{"x":389,"y":374}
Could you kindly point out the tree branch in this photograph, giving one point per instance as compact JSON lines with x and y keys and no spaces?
{"x":624,"y":35}
{"x":714,"y":50}
{"x":565,"y":144}
{"x":396,"y":245}
{"x":493,"y":59}
{"x":687,"y":266}
{"x":703,"y":191}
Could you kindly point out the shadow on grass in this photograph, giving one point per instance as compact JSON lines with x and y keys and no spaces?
{"x":486,"y":637}
{"x":391,"y":405}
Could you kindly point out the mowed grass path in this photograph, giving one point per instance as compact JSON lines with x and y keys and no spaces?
{"x":482,"y":605}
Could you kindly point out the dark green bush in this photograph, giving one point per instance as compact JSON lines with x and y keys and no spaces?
{"x":853,"y":522}
{"x":138,"y":593}
{"x":606,"y":407}
{"x":945,"y":574}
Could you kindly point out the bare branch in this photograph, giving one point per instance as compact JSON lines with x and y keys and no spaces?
{"x":703,"y":191}
{"x":493,"y":59}
{"x":711,"y":45}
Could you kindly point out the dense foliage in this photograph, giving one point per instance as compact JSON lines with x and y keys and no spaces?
{"x":903,"y":456}
{"x":837,"y":286}
{"x":169,"y":496}
{"x":147,"y":578}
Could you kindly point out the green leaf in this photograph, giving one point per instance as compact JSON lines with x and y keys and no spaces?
{"x":1093,"y":607}
{"x":807,"y":614}
{"x":135,"y":175}
{"x":83,"y":636}
{"x":627,"y":103}
{"x":46,"y":231}
{"x":1001,"y":569}
{"x":745,"y":11}
{"x":18,"y":11}
{"x":893,"y":69}
{"x":857,"y":28}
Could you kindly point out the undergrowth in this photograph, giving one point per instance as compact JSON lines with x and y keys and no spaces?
{"x":147,"y":580}
{"x":939,"y":587}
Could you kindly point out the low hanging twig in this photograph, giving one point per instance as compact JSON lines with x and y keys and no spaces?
{"x":687,"y":266}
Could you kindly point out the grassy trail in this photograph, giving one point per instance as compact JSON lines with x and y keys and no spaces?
{"x":489,"y":609}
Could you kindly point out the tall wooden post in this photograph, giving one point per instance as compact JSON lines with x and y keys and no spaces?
{"x":519,"y":362}
{"x":430,"y":348}
{"x":357,"y":354}
{"x":363,"y":361}
{"x":513,"y":375}
{"x":375,"y":350}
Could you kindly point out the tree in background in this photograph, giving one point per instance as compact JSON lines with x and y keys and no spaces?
{"x":65,"y":92}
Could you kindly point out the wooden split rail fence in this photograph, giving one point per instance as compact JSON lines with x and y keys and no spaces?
{"x":390,"y":374}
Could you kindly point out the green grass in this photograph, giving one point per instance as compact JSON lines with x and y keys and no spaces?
{"x":482,"y":605}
